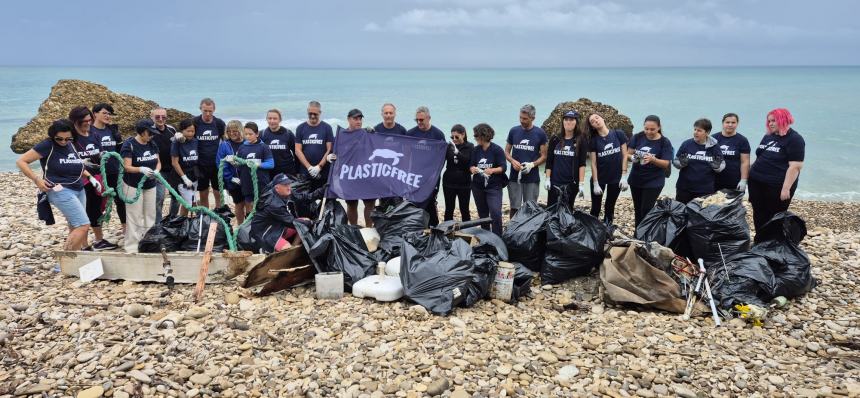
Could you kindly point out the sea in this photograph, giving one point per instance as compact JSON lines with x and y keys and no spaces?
{"x":825,"y":101}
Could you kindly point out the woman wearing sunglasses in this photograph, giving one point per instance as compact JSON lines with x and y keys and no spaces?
{"x":62,"y":179}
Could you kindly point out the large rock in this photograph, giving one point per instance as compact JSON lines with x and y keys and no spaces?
{"x":67,"y":94}
{"x":585,"y":106}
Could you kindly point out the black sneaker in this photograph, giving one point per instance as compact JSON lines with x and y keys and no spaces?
{"x":104,"y":245}
{"x":88,"y":248}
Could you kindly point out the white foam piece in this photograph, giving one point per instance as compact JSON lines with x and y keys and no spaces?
{"x":392,"y":267}
{"x":371,"y":238}
{"x":379,"y":287}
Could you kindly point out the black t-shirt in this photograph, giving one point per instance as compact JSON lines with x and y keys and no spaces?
{"x":89,"y":147}
{"x":209,"y":138}
{"x":564,"y":158}
{"x":773,"y":154}
{"x":457,"y":166}
{"x":397,"y":129}
{"x":109,"y":141}
{"x":164,"y":141}
{"x":491,"y":158}
{"x":141,"y":155}
{"x":61,"y":163}
{"x":186,"y":153}
{"x":282,"y":144}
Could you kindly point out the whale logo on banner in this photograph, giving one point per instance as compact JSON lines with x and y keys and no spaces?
{"x":380,"y":165}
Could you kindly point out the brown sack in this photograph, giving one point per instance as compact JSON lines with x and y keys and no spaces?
{"x":629,"y":278}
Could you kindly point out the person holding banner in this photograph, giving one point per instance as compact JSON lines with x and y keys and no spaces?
{"x":427,"y":131}
{"x":526,"y":150}
{"x":355,"y":119}
{"x":488,"y":166}
{"x":388,"y":125}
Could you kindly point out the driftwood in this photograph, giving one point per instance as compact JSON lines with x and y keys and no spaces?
{"x":204,"y":265}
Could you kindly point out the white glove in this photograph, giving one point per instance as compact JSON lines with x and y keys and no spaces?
{"x":331,"y":157}
{"x":456,"y":151}
{"x":179,"y":137}
{"x":255,"y":162}
{"x":547,"y":185}
{"x":597,"y":191}
{"x":187,"y":181}
{"x":742,"y":185}
{"x":634,"y":158}
{"x":88,"y":163}
{"x":147,"y":171}
{"x":314,"y":171}
{"x":236,"y":180}
{"x":581,"y":193}
{"x":96,"y":184}
{"x":527,"y":167}
{"x":230,"y":159}
{"x":623,"y":184}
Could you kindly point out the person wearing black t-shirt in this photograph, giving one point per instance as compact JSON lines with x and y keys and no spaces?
{"x":281,"y":142}
{"x":164,"y":140}
{"x":110,"y":141}
{"x":388,"y":125}
{"x":184,"y":158}
{"x":699,"y":160}
{"x":565,"y":161}
{"x":488,"y":166}
{"x":651,"y":155}
{"x":140,"y":158}
{"x":208,"y":130}
{"x":425,"y":130}
{"x":608,"y":153}
{"x":314,"y":140}
{"x":456,"y":180}
{"x":776,"y":170}
{"x":736,"y":152}
{"x":62,"y":179}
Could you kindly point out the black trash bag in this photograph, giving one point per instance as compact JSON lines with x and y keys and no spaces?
{"x":714,"y":228}
{"x":342,"y":249}
{"x":198,"y":231}
{"x":333,"y":216}
{"x":574,"y":245}
{"x":522,"y":282}
{"x":224,"y":212}
{"x":525,"y":236}
{"x":790,"y":265}
{"x":665,"y":224}
{"x":427,"y":244}
{"x":306,"y":209}
{"x":170,"y":234}
{"x":244,"y":239}
{"x":488,"y":237}
{"x":750,"y":281}
{"x":393,"y":223}
{"x":437,"y":281}
{"x":486,"y":261}
{"x":784,"y":225}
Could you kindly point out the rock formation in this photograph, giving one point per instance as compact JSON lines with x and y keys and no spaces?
{"x":67,"y":94}
{"x":585,"y":106}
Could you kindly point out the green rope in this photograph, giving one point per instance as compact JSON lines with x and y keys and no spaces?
{"x":110,"y":192}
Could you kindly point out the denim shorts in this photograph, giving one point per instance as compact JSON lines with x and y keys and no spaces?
{"x":72,"y":204}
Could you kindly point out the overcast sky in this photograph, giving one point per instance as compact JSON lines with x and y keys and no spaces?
{"x":430,"y":33}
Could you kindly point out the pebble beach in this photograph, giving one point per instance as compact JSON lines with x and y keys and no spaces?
{"x":60,"y":337}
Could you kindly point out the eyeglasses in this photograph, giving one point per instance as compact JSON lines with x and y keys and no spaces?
{"x":63,"y":139}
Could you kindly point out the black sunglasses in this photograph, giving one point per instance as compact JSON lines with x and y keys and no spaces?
{"x":63,"y":139}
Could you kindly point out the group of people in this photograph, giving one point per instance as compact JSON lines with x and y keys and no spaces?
{"x":188,"y":159}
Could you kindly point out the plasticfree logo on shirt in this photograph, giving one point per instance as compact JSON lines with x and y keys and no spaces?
{"x":524,"y":145}
{"x":701,"y":155}
{"x":90,"y":150}
{"x":147,"y":156}
{"x":207,"y":135}
{"x":770,"y":147}
{"x":71,"y":158}
{"x":725,"y":150}
{"x":251,"y":156}
{"x":276,"y":145}
{"x":564,"y":151}
{"x":108,"y":141}
{"x":609,"y":149}
{"x":312,"y":140}
{"x":192,"y":156}
{"x":482,"y":164}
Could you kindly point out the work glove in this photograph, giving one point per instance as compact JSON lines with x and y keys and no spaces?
{"x":681,"y":161}
{"x":623,"y":183}
{"x":527,"y":167}
{"x":89,"y":163}
{"x":597,"y":190}
{"x":231,"y":159}
{"x":547,"y":185}
{"x":314,"y":171}
{"x":187,"y":181}
{"x":369,"y":129}
{"x":742,"y":185}
{"x":456,"y":151}
{"x":581,"y":193}
{"x":96,"y":184}
{"x":179,"y":137}
{"x":147,"y":171}
{"x":331,"y":157}
{"x":256,"y":162}
{"x":236,"y":180}
{"x":635,"y":158}
{"x":717,"y":163}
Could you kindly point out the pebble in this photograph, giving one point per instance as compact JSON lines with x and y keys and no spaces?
{"x":139,"y":376}
{"x":813,"y":346}
{"x":197,"y":312}
{"x":457,"y":323}
{"x":460,"y":393}
{"x":438,"y":386}
{"x":683,"y":391}
{"x":777,"y":381}
{"x":92,"y":392}
{"x":200,"y":378}
{"x":135,"y":310}
{"x":567,"y":373}
{"x":231,"y":298}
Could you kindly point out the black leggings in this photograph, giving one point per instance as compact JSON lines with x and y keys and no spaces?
{"x":94,"y":206}
{"x":765,"y":201}
{"x":643,"y":201}
{"x":118,"y":204}
{"x":612,"y":191}
{"x":462,"y":196}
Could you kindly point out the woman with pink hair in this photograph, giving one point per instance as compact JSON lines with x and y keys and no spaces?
{"x":774,"y":174}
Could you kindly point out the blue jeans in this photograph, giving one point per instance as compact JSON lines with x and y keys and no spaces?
{"x":72,"y":204}
{"x":489,"y":203}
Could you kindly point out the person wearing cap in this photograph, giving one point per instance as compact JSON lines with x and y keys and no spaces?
{"x":277,"y":212}
{"x":141,"y":159}
{"x":354,"y":119}
{"x":63,"y":174}
{"x":565,"y":160}
{"x":699,"y":160}
{"x":314,"y":140}
{"x":109,"y":141}
{"x":388,"y":125}
{"x":608,"y":150}
{"x":209,"y":130}
{"x":526,"y":150}
{"x":281,"y":142}
{"x":164,"y":140}
{"x":184,"y":156}
{"x":425,"y":130}
{"x":254,"y":150}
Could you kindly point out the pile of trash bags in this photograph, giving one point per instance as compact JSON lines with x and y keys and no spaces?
{"x":525,"y":236}
{"x":775,"y":266}
{"x":180,"y":233}
{"x":666,"y":225}
{"x":717,"y":227}
{"x":393,"y":222}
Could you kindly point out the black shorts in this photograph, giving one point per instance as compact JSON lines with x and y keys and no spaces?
{"x":208,"y":176}
{"x":236,"y":195}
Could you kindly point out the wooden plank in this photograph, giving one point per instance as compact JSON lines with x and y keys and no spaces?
{"x":204,"y":265}
{"x":295,"y":256}
{"x":147,"y":267}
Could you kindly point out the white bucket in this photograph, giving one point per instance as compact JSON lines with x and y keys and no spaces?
{"x":329,"y":285}
{"x":503,"y":285}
